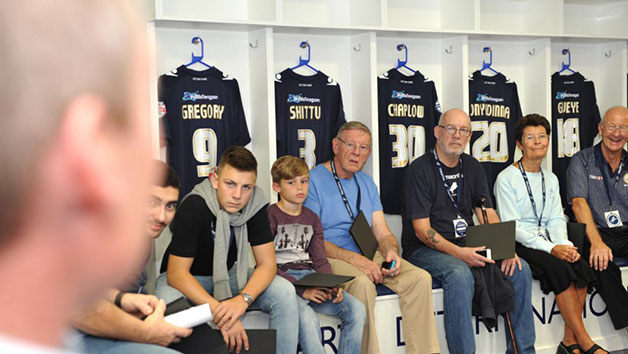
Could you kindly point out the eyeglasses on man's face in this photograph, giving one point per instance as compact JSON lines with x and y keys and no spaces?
{"x":451,"y":130}
{"x":364,"y":149}
{"x":623,"y":129}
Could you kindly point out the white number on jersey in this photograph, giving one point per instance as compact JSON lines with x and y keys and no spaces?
{"x":307,"y":151}
{"x":568,"y":134}
{"x":204,"y":146}
{"x":495,"y":137}
{"x":408,"y":142}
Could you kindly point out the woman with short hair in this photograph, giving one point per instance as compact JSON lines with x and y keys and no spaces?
{"x":530,"y":195}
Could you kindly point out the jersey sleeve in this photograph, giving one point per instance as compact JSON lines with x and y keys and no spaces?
{"x":162,"y":93}
{"x":595,"y":115}
{"x":187,"y":225}
{"x":241,"y":132}
{"x":258,"y":228}
{"x":280,"y":120}
{"x":577,"y":182}
{"x":340,"y":120}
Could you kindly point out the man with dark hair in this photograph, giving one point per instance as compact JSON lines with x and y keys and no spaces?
{"x":207,"y":258}
{"x":111,"y":323}
{"x":597,"y":189}
{"x":73,"y":227}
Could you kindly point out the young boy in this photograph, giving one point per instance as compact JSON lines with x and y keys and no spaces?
{"x":300,"y":250}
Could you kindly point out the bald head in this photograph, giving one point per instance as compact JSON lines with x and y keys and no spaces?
{"x":454,"y":114}
{"x":617,"y":111}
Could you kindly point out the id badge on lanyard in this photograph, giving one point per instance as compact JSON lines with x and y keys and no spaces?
{"x":460,"y":227}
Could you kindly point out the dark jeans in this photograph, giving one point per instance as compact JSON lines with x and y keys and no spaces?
{"x":609,"y":281}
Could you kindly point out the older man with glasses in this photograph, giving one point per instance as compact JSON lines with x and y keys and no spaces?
{"x":597,"y":189}
{"x":442,"y":191}
{"x":339,"y":192}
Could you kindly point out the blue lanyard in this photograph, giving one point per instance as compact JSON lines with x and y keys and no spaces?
{"x":342,"y":191}
{"x":525,"y":179}
{"x":456,"y":203}
{"x":601,"y":167}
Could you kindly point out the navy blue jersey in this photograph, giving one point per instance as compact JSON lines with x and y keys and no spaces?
{"x":408,"y":111}
{"x":575,"y":117}
{"x":201,"y":115}
{"x":494,"y":110}
{"x":308,"y":115}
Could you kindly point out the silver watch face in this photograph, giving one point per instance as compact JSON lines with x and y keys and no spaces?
{"x":247,"y":298}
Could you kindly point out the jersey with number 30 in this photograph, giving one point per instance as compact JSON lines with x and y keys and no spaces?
{"x":201,"y":114}
{"x":408,"y":111}
{"x":494,"y":110}
{"x":575,"y":116}
{"x":309,"y":113}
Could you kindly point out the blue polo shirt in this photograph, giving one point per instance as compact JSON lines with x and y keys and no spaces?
{"x":586,"y":176}
{"x":324,"y":199}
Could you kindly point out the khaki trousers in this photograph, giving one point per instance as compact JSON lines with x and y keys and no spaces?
{"x":414,"y":287}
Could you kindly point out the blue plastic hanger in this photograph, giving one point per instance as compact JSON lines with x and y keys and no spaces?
{"x":305,"y":62}
{"x":402,"y":63}
{"x":199,"y":58}
{"x":566,"y":67}
{"x":488,"y":66}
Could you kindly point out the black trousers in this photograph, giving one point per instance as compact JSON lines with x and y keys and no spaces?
{"x":609,"y":283}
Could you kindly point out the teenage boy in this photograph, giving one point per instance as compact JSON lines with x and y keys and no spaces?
{"x":207,"y":258}
{"x":300,"y":250}
{"x":110,"y":323}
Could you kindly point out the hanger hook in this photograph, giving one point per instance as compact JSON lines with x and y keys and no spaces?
{"x":449,"y":50}
{"x":254,"y":46}
{"x":196,"y":40}
{"x":358,"y":47}
{"x":490,"y":57}
{"x":305,"y":44}
{"x":608,"y":54}
{"x":566,"y":52}
{"x":403,"y":47}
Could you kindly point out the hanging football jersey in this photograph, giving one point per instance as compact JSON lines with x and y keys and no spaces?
{"x":575,"y":116}
{"x":494,"y":110}
{"x":408,"y":111}
{"x":201,"y":115}
{"x":309,"y":113}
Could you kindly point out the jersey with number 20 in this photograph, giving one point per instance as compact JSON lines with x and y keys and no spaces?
{"x":494,"y":110}
{"x":201,"y":114}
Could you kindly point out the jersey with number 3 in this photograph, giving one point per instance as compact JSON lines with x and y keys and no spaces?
{"x":309,"y":113}
{"x":408,"y":111}
{"x":201,"y":114}
{"x":575,"y":116}
{"x":494,"y":110}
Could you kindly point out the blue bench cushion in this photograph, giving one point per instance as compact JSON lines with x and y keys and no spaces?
{"x":620,"y":261}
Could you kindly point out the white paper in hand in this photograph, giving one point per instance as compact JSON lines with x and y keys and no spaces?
{"x":191,"y":317}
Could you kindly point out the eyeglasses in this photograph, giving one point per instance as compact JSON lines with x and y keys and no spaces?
{"x":623,"y":129}
{"x":451,"y":130}
{"x":540,"y":137}
{"x":364,"y":149}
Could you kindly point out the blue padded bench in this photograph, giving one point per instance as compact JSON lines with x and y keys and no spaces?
{"x":621,"y":262}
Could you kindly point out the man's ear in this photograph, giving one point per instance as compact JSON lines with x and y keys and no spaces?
{"x":276,"y":187}
{"x":86,"y":150}
{"x":213,"y":178}
{"x":334,"y":145}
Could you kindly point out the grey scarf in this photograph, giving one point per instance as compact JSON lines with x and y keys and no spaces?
{"x":224,"y":220}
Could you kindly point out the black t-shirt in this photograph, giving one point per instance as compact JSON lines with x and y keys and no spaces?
{"x":408,"y":111}
{"x":494,"y":110}
{"x":193,"y":232}
{"x":309,"y":113}
{"x":425,"y":196}
{"x":575,"y":117}
{"x":202,"y":114}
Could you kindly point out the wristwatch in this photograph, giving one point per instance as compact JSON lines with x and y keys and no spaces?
{"x":247,"y":298}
